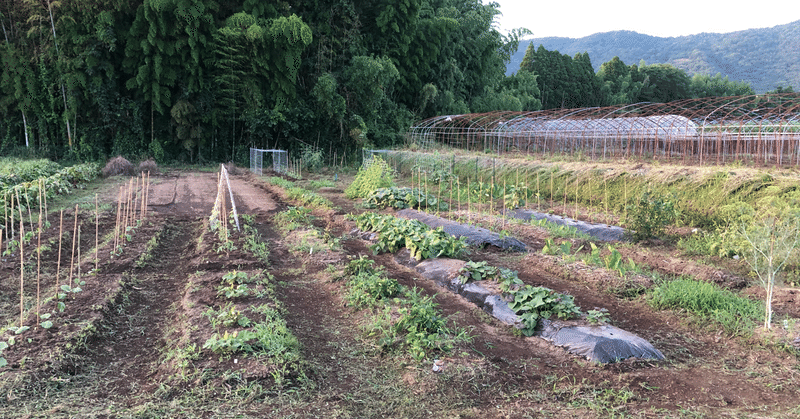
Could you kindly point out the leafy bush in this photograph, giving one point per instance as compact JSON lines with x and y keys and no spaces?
{"x":312,"y":157}
{"x":400,"y":198}
{"x":650,"y":216}
{"x":422,"y":325}
{"x":737,"y":315}
{"x":373,"y":175}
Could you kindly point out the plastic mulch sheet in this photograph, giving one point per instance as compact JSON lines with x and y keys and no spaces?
{"x":601,"y":343}
{"x":474,"y":236}
{"x":599,"y":231}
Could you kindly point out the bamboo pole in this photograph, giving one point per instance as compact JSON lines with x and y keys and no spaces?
{"x":469,"y":201}
{"x":60,"y":240}
{"x":78,"y":280}
{"x":21,"y":267}
{"x":577,"y":191}
{"x":119,"y":213}
{"x":96,"y":234}
{"x":74,"y":238}
{"x":39,"y":259}
{"x":5,"y":216}
{"x":28,"y":204}
{"x":146,"y":194}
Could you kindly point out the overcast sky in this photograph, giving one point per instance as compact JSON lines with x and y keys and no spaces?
{"x":578,"y":18}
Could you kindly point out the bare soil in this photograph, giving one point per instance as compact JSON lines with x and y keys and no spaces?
{"x":130,"y":343}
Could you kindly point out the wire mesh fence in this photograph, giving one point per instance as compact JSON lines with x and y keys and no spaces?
{"x":277,"y":159}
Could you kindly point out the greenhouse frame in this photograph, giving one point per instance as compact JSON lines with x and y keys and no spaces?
{"x":757,"y":129}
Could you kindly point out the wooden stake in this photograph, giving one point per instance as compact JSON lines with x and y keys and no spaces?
{"x":78,"y":280}
{"x":60,"y":239}
{"x":5,"y":216}
{"x":21,"y":265}
{"x":74,"y":238}
{"x":147,"y":195}
{"x":39,"y":258}
{"x":116,"y":225}
{"x":96,"y":234}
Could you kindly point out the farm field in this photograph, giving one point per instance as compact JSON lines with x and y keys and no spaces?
{"x":153,"y":331}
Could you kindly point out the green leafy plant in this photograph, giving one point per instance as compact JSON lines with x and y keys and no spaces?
{"x":477,"y":271}
{"x":367,"y":288}
{"x":534,"y":303}
{"x":597,"y":315}
{"x":373,"y":175}
{"x":400,"y":198}
{"x":650,"y":215}
{"x":421,"y":241}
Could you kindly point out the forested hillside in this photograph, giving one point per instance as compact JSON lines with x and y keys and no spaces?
{"x":200,"y":80}
{"x":766,"y":58}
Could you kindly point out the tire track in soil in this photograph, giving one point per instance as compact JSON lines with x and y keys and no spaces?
{"x":126,"y":355}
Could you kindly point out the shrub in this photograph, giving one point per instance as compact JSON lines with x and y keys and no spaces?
{"x":373,"y":175}
{"x":650,"y":216}
{"x":118,"y":166}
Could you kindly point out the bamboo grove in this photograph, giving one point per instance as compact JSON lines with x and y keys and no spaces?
{"x":203,"y":80}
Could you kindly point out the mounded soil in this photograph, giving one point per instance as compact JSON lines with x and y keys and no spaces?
{"x":130,"y":343}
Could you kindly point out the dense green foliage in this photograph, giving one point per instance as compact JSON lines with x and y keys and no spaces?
{"x":204,"y":80}
{"x":736,"y":314}
{"x":767,"y":59}
{"x":567,"y":82}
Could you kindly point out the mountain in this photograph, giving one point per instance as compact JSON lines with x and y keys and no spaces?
{"x":766,"y":58}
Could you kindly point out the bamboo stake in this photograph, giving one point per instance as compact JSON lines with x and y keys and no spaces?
{"x":39,"y":259}
{"x":11,"y":223}
{"x":60,"y":240}
{"x":5,"y":216}
{"x":21,"y":267}
{"x":96,"y":234}
{"x":46,"y":220}
{"x":147,"y":196}
{"x":469,"y":201}
{"x":28,"y":204}
{"x":141,"y":201}
{"x":116,"y":225}
{"x":74,"y":237}
{"x":538,"y":194}
{"x":605,"y":188}
{"x":503,"y":212}
{"x":458,"y":183}
{"x":577,"y":191}
{"x":78,"y":280}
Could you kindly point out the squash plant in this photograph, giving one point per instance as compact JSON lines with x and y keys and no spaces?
{"x":534,"y":303}
{"x":422,"y":241}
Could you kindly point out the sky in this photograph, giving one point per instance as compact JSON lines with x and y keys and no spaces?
{"x":579,"y":18}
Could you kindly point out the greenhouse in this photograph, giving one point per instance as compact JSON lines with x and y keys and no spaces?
{"x":754,"y":129}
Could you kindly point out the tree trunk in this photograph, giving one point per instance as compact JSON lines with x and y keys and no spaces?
{"x":25,"y":127}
